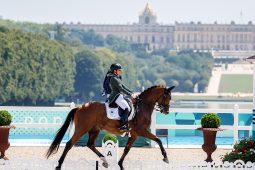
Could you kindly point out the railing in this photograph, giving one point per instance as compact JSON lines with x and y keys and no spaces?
{"x":29,"y":122}
{"x":43,"y":121}
{"x":235,"y":127}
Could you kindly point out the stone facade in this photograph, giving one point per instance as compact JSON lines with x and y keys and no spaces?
{"x":191,"y":35}
{"x":215,"y":36}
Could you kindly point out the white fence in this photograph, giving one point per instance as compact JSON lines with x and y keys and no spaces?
{"x":235,"y":111}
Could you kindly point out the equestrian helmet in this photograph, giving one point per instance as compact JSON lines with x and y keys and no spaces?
{"x":115,"y":66}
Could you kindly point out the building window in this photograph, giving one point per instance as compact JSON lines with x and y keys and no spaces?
{"x":183,"y":38}
{"x":146,"y":39}
{"x":241,"y":37}
{"x":245,"y":38}
{"x":167,"y":39}
{"x":241,"y":47}
{"x":139,"y":39}
{"x":227,"y":38}
{"x":162,"y":39}
{"x":131,"y":39}
{"x":195,"y":38}
{"x":153,"y":39}
{"x":223,"y":38}
{"x":147,"y":20}
{"x":218,"y":38}
{"x":249,"y":39}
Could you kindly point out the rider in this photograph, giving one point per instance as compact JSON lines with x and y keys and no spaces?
{"x":116,"y":95}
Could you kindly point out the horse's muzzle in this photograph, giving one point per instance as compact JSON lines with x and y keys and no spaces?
{"x":166,"y":112}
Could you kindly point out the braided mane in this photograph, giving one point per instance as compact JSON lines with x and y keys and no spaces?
{"x":149,"y":89}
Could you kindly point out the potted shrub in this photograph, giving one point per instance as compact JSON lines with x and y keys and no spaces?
{"x":244,"y":150}
{"x":110,"y":137}
{"x":210,"y":123}
{"x":5,"y":121}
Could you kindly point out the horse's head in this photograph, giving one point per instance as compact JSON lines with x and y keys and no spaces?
{"x":164,"y":100}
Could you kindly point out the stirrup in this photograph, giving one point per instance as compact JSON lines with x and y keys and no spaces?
{"x":124,"y":128}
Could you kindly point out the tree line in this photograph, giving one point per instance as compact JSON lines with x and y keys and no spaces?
{"x":36,"y":70}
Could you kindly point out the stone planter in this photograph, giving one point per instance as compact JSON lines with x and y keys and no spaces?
{"x":110,"y":151}
{"x":209,"y":145}
{"x":4,"y":140}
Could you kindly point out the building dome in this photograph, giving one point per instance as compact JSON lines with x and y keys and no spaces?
{"x":147,"y":10}
{"x":147,"y":16}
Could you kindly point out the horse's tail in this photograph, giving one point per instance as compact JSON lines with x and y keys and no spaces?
{"x":61,"y":132}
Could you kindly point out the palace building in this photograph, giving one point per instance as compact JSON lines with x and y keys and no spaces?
{"x":197,"y":36}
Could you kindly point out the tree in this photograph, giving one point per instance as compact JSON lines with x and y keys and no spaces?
{"x":34,"y":70}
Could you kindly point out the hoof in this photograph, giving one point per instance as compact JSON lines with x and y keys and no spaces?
{"x":120,"y":165}
{"x":58,"y":168}
{"x":166,"y":160}
{"x":105,"y":164}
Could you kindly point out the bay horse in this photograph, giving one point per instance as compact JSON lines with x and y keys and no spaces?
{"x":91,"y":118}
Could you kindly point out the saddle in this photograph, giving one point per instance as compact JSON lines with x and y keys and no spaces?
{"x":113,"y":110}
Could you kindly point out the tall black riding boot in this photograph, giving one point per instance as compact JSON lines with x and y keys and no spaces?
{"x":124,"y":120}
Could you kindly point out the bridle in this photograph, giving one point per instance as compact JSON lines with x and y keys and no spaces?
{"x":162,"y":107}
{"x":158,"y":107}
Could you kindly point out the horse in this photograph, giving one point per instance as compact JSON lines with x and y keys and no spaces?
{"x":91,"y":118}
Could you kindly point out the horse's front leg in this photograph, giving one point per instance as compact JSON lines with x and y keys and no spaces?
{"x":93,"y":134}
{"x":129,"y":144}
{"x":149,"y":135}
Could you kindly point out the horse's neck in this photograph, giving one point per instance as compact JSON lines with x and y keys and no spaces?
{"x":149,"y":102}
{"x":151,"y":98}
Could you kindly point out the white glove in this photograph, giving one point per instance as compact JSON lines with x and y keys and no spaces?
{"x":133,"y":95}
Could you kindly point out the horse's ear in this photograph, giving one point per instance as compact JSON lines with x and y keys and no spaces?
{"x":170,"y":89}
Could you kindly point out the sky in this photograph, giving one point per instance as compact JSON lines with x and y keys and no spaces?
{"x":127,"y":11}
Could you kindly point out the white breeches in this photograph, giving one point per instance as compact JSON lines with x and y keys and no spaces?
{"x":121,"y":102}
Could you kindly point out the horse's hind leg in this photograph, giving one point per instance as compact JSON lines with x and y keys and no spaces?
{"x":76,"y":136}
{"x":147,"y":134}
{"x":129,"y":144}
{"x":93,"y":134}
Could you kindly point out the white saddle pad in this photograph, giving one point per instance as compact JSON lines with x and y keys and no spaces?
{"x":112,"y":113}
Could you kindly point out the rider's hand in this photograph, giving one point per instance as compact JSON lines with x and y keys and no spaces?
{"x":133,"y":96}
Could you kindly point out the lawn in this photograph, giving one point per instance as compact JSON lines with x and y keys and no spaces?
{"x":234,"y":83}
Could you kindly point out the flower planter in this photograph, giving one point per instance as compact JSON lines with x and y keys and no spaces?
{"x":4,"y":140}
{"x":209,"y":145}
